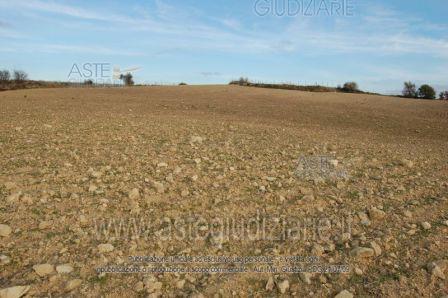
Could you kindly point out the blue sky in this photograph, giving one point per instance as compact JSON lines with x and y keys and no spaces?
{"x":379,"y":44}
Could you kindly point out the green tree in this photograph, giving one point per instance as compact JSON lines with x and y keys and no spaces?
{"x":127,"y":79}
{"x":426,"y":92}
{"x":350,"y":87}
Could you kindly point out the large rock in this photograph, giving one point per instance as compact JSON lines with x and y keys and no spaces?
{"x":43,"y":269}
{"x":5,"y":230}
{"x":14,"y":292}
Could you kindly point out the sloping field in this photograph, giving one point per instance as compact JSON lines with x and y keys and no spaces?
{"x":90,"y":178}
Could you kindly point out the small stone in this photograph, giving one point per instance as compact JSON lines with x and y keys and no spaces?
{"x":139,"y":286}
{"x":14,"y":292}
{"x":358,"y":271}
{"x":4,"y":260}
{"x":83,"y":220}
{"x":43,"y":269}
{"x":180,"y":284}
{"x":340,"y":185}
{"x":408,"y":214}
{"x":159,"y":187}
{"x":345,"y":237}
{"x":362,"y":252}
{"x":105,"y":248}
{"x":344,"y":294}
{"x":196,"y":139}
{"x":73,"y":284}
{"x":306,"y":191}
{"x":376,"y":248}
{"x":308,"y":198}
{"x":365,"y":221}
{"x":184,"y":193}
{"x":406,"y":163}
{"x":317,"y":250}
{"x":270,"y":284}
{"x":92,"y":188}
{"x":283,"y":286}
{"x":376,"y":213}
{"x":334,"y":163}
{"x":426,"y":225}
{"x":134,"y":194}
{"x":64,"y":269}
{"x":95,"y":174}
{"x":306,"y":277}
{"x":436,"y":268}
{"x":14,"y":197}
{"x":5,"y":230}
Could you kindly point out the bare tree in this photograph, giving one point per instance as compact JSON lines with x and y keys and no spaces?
{"x":409,"y":90}
{"x":5,"y":76}
{"x":127,"y":79}
{"x":20,"y":76}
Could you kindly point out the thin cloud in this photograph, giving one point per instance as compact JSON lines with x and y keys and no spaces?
{"x":380,"y":31}
{"x":211,"y":74}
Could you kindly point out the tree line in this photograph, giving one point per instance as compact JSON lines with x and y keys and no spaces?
{"x":16,"y":76}
{"x":424,"y":92}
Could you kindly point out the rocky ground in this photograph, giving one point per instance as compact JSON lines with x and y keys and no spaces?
{"x":74,"y":159}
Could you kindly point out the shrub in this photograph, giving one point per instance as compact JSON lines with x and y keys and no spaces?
{"x":350,"y":87}
{"x":409,"y":90}
{"x":5,"y":76}
{"x":88,"y":82}
{"x":443,"y":95}
{"x":242,"y":82}
{"x":20,"y":76}
{"x":182,"y":84}
{"x":127,"y":79}
{"x":426,"y":92}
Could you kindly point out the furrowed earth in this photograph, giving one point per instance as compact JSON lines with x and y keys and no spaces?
{"x":191,"y":157}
